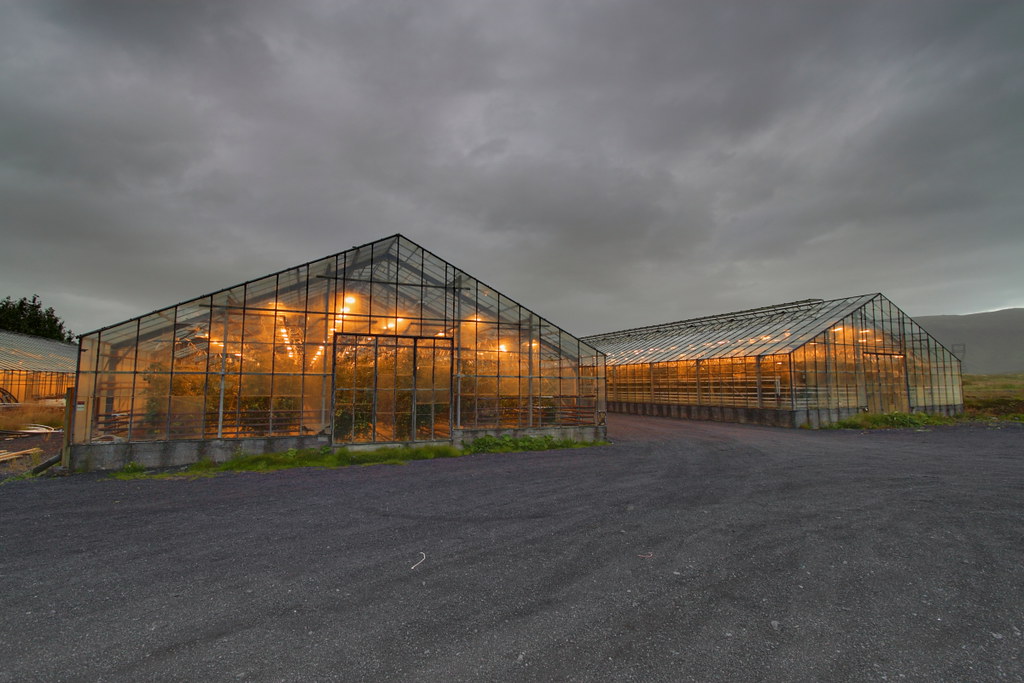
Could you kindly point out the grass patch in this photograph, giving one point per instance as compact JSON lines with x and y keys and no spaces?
{"x":994,"y":397}
{"x":986,"y":397}
{"x":20,"y":469}
{"x":21,"y":476}
{"x":994,"y":408}
{"x":132,"y":470}
{"x":509,"y":444}
{"x":325,"y":457}
{"x":328,"y":457}
{"x":15,"y":417}
{"x":21,"y":465}
{"x":892,"y":421}
{"x":994,"y":386}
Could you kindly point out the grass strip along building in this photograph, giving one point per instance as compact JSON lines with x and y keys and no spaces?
{"x":385,"y":343}
{"x":807,"y":363}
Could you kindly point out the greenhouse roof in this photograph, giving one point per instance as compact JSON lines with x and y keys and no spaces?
{"x":26,"y":353}
{"x":394,"y":262}
{"x":753,"y":332}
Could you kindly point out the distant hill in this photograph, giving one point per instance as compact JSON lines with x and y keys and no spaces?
{"x":994,"y":342}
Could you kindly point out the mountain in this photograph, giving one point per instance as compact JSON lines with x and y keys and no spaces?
{"x":993,"y":342}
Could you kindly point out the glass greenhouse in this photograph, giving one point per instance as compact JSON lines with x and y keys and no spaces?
{"x":810,"y":363}
{"x":35,"y":369}
{"x":383,"y":343}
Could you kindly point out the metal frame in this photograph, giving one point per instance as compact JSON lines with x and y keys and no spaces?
{"x":376,"y":338}
{"x":250,"y":360}
{"x":816,"y":352}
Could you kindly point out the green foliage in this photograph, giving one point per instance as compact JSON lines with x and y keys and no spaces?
{"x":246,"y":407}
{"x":994,"y":408}
{"x":205,"y":465}
{"x":509,"y":444}
{"x":994,"y":386}
{"x":325,"y":456}
{"x":402,"y":454}
{"x":28,"y":316}
{"x":23,"y":476}
{"x":994,"y":397}
{"x":20,"y":469}
{"x":131,"y":470}
{"x":892,"y":421}
{"x":342,"y":457}
{"x":329,"y":457}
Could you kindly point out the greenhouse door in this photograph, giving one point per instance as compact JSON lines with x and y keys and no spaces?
{"x":885,"y":376}
{"x":390,"y":389}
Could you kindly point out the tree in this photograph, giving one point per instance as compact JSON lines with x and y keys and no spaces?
{"x":27,"y":316}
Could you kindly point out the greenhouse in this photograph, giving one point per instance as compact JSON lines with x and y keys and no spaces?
{"x":35,"y":369}
{"x":807,"y":363}
{"x":384,"y":343}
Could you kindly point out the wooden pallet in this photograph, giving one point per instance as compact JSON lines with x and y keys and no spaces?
{"x":7,"y":455}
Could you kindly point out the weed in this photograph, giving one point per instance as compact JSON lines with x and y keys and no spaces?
{"x":203,"y":465}
{"x":510,"y":444}
{"x":986,"y":397}
{"x":131,"y":470}
{"x":892,"y":421}
{"x":22,"y":466}
{"x":999,"y":407}
{"x":994,"y":397}
{"x":23,"y":476}
{"x":328,"y":457}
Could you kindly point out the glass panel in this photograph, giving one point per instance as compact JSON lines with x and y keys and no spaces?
{"x":860,"y":353}
{"x":187,"y":406}
{"x":261,"y":358}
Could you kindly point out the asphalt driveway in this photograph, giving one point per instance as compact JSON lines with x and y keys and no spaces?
{"x":685,"y":551}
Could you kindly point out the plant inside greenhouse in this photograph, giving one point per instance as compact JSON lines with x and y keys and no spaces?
{"x":383,"y":343}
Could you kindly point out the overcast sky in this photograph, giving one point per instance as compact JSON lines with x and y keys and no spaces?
{"x":608,"y":164}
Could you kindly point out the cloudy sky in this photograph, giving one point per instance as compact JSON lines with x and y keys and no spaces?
{"x":606,"y":163}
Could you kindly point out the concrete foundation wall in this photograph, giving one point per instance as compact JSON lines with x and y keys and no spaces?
{"x":775,"y":418}
{"x":811,"y":417}
{"x":114,"y":456}
{"x":576,"y":433}
{"x":154,"y":454}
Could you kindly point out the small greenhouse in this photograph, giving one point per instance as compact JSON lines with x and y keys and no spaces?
{"x":384,"y":343}
{"x":35,"y":369}
{"x":808,"y":363}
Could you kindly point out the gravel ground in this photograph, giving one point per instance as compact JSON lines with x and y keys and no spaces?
{"x":685,"y":551}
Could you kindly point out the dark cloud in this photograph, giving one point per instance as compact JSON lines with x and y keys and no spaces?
{"x":607,"y":163}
